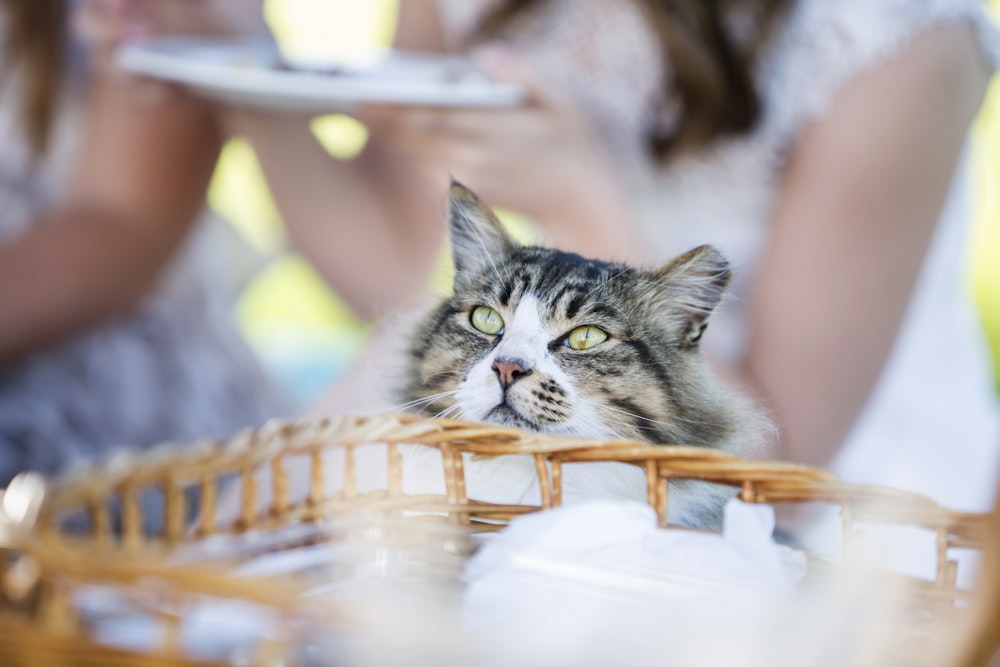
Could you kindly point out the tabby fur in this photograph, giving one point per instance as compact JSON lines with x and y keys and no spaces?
{"x":647,"y":381}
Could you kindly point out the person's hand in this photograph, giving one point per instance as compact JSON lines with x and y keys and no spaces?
{"x":103,"y":25}
{"x":537,"y":158}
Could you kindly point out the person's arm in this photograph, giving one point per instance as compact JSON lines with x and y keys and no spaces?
{"x":419,"y":28}
{"x":540,"y":158}
{"x":371,"y":226}
{"x":864,"y":190}
{"x":135,"y":191}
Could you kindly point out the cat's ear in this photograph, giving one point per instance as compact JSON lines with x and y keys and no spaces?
{"x":688,"y":289}
{"x":479,"y":241}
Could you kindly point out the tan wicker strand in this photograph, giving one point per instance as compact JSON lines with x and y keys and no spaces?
{"x":557,"y":482}
{"x":316,"y":477}
{"x":544,"y":483}
{"x":450,"y":482}
{"x":279,"y":483}
{"x":202,"y":465}
{"x":23,"y":645}
{"x":54,"y":609}
{"x":100,"y":519}
{"x":350,"y":486}
{"x":248,"y":497}
{"x":662,"y":502}
{"x":206,"y":508}
{"x":212,"y":580}
{"x":651,"y":479}
{"x":131,"y":517}
{"x":460,"y":488}
{"x":175,"y":508}
{"x":941,"y":574}
{"x":617,"y":450}
{"x":461,"y":492}
{"x":394,"y":479}
{"x":775,"y":482}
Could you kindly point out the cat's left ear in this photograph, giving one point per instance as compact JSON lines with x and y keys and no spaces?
{"x":479,"y":241}
{"x":689,"y":288}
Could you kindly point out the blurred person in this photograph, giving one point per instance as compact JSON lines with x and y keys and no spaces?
{"x":339,"y":214}
{"x":818,"y":145}
{"x":814,"y":143}
{"x":116,"y":286}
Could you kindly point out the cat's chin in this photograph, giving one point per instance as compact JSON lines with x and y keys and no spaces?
{"x":504,"y":415}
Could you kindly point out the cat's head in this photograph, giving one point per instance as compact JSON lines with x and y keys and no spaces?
{"x":550,"y":341}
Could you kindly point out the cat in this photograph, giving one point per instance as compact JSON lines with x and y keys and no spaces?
{"x":549,"y":341}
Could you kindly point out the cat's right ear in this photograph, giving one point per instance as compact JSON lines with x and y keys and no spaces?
{"x":687,"y":290}
{"x":479,"y":241}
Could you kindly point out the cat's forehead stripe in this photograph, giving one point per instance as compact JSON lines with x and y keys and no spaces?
{"x":574,"y":305}
{"x":563,"y":283}
{"x":506,"y":291}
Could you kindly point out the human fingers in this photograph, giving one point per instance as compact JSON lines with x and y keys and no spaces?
{"x":445,"y":151}
{"x":468,"y":124}
{"x":237,"y":18}
{"x":378,"y":117}
{"x":102,"y":24}
{"x":403,"y":122}
{"x":502,"y":63}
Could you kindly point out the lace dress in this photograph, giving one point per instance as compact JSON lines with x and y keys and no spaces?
{"x":932,"y":424}
{"x":175,"y":369}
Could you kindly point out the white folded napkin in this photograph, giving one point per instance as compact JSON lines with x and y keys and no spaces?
{"x":599,"y":583}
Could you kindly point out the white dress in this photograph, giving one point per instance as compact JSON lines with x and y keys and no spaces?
{"x":175,"y":369}
{"x":932,"y":424}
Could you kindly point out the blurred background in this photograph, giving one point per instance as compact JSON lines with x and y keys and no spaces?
{"x":305,"y":334}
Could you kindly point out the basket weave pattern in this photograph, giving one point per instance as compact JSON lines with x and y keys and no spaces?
{"x":36,"y":617}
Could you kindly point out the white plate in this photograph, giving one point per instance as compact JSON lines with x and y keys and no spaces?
{"x":251,"y":73}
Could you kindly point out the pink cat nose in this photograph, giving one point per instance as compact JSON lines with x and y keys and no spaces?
{"x":510,"y":371}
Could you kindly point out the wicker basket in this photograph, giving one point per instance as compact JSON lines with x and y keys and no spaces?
{"x":46,"y":564}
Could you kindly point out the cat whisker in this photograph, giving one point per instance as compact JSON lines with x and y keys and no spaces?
{"x":672,"y":424}
{"x":614,"y":417}
{"x":475,"y":229}
{"x":448,"y":412}
{"x":609,"y":279}
{"x":594,"y":428}
{"x":589,"y":426}
{"x":631,"y":414}
{"x":438,"y":379}
{"x":425,"y":400}
{"x":443,"y":374}
{"x":619,"y":428}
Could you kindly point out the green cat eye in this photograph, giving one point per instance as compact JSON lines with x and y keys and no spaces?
{"x":487,"y":320}
{"x":584,"y":338}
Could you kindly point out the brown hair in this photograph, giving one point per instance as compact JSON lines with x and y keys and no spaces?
{"x":711,"y":73}
{"x":36,"y":45}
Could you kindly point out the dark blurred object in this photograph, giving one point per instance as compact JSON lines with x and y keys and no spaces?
{"x":710,"y":71}
{"x":35,"y":42}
